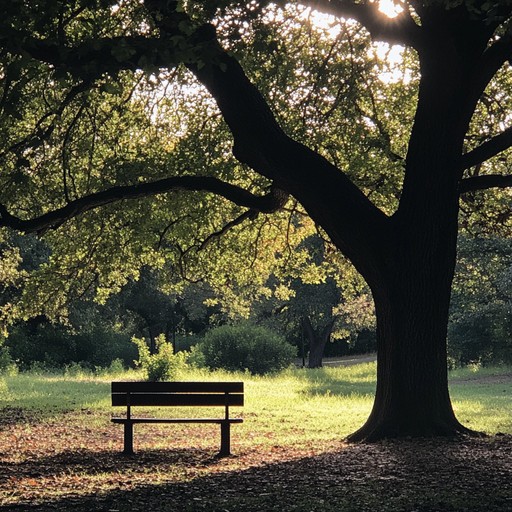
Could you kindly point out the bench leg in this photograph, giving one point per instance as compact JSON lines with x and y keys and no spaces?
{"x":128,"y":439}
{"x":225,"y":439}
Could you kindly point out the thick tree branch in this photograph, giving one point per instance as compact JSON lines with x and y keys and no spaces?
{"x":399,"y":30}
{"x":487,"y":150}
{"x":95,"y":57}
{"x":485,"y":182}
{"x":324,"y":190}
{"x":268,"y":203}
{"x":494,"y":57}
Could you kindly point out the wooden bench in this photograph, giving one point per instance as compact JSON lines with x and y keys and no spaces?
{"x":181,"y":394}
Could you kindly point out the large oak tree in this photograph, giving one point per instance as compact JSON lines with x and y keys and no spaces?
{"x":407,"y":256}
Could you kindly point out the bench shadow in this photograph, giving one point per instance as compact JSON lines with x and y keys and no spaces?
{"x":90,"y":463}
{"x":420,"y":475}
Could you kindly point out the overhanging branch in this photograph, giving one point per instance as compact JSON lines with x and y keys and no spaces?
{"x":248,"y":214}
{"x":268,"y":203}
{"x":399,"y":30}
{"x":487,"y":150}
{"x":494,"y":57}
{"x":95,"y":57}
{"x":485,"y":182}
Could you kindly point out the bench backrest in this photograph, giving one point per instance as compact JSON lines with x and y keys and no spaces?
{"x":178,"y":393}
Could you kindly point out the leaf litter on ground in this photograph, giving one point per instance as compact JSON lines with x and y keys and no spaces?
{"x":65,"y":464}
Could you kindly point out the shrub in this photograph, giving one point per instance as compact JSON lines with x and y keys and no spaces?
{"x":195,"y":357}
{"x":77,"y":370}
{"x":480,"y":335}
{"x":246,"y":346}
{"x":164,"y":364}
{"x":116,"y":367}
{"x":186,"y":343}
{"x":7,"y":365}
{"x":54,"y":346}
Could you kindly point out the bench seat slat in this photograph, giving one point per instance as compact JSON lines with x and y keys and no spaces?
{"x":177,"y":420}
{"x":177,"y":399}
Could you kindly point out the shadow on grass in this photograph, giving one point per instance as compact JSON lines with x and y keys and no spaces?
{"x":90,"y":463}
{"x":473,"y":475}
{"x":322,"y":381}
{"x":27,"y":398}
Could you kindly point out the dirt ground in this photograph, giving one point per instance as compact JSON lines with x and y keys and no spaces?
{"x":421,"y":475}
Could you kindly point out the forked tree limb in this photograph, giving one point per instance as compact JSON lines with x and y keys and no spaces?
{"x":487,"y":150}
{"x":399,"y":30}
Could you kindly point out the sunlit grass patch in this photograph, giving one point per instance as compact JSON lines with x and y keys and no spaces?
{"x":296,"y":406}
{"x":482,"y":398}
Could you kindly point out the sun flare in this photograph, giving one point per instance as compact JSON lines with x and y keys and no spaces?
{"x":390,"y":8}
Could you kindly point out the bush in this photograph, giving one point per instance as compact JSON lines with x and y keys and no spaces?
{"x":164,"y":364}
{"x":186,"y":343}
{"x":195,"y":357}
{"x":246,"y":347}
{"x":480,"y":335}
{"x":54,"y":346}
{"x":77,"y":370}
{"x":7,"y":365}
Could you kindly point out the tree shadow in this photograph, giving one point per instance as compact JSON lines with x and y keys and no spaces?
{"x":423,"y":475}
{"x":44,"y":399}
{"x":322,"y":382}
{"x":90,"y":463}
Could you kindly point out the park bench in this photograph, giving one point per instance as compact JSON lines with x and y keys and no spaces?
{"x":178,"y":394}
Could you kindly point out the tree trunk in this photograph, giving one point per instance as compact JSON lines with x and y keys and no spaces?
{"x":317,"y":341}
{"x":412,"y":287}
{"x":412,"y":307}
{"x":152,"y":339}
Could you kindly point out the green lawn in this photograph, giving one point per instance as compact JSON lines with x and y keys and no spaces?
{"x":296,"y":405}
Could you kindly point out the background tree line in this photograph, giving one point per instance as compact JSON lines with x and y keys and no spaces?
{"x":321,"y":316}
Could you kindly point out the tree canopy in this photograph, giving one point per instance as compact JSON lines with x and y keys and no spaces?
{"x":223,"y":112}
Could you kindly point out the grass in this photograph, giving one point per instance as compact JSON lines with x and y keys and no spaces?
{"x":482,"y":398}
{"x":57,"y":443}
{"x":297,"y":405}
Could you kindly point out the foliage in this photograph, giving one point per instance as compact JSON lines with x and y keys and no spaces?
{"x":163,"y":364}
{"x":317,"y":298}
{"x":7,"y":364}
{"x":480,"y":328}
{"x":57,"y":346}
{"x":245,"y":347}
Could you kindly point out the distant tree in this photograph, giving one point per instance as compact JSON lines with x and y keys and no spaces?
{"x":159,"y":311}
{"x":173,"y":311}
